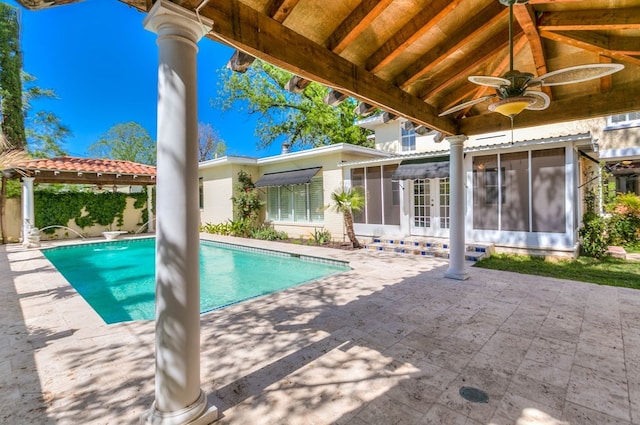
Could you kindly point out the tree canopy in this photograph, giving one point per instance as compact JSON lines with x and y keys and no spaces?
{"x":44,"y":130}
{"x":300,"y":119}
{"x":126,"y":141}
{"x":210,"y":145}
{"x":11,"y":112}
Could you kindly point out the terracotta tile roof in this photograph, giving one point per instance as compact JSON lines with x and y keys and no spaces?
{"x":89,"y":165}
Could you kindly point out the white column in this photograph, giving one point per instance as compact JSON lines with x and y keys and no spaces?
{"x":28,"y":210}
{"x":150,"y":216}
{"x":178,"y":397}
{"x":456,"y":233}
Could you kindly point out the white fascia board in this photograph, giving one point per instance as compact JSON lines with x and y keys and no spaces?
{"x":632,"y":151}
{"x":242,"y":160}
{"x":323,"y":150}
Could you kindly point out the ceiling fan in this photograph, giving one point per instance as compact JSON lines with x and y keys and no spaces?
{"x":513,"y":89}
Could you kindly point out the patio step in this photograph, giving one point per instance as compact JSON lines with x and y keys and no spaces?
{"x":428,"y":247}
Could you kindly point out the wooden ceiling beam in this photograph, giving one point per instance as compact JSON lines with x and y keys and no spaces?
{"x":619,"y":100}
{"x":463,"y":68}
{"x":591,"y":20}
{"x":588,"y":41}
{"x":280,"y":9}
{"x":471,"y":29}
{"x":428,"y":17}
{"x":525,"y":15}
{"x":357,"y":21}
{"x":260,"y":36}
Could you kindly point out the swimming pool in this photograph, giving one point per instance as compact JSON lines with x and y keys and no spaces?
{"x":118,"y":278}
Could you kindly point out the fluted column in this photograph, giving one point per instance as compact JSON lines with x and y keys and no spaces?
{"x":178,"y":397}
{"x":456,"y":232}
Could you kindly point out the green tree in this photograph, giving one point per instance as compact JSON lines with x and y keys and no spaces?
{"x":210,"y":145}
{"x":126,"y":141}
{"x":11,"y":111}
{"x":44,"y":131}
{"x":348,"y":202}
{"x":302,"y":119}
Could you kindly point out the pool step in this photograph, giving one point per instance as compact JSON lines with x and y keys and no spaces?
{"x":428,"y":247}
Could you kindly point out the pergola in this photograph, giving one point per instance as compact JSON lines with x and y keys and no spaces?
{"x":409,"y":58}
{"x":103,"y":173}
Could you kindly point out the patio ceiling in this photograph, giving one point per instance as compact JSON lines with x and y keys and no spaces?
{"x":412,"y":58}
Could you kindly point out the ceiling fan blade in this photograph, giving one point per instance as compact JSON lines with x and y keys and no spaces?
{"x":489,"y":81}
{"x":466,"y":105}
{"x":576,"y":74}
{"x":542,"y":101}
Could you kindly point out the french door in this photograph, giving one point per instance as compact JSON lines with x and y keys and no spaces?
{"x":430,"y":207}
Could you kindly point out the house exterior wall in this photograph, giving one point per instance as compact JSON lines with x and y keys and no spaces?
{"x":218,"y":184}
{"x":575,"y":137}
{"x":218,"y":177}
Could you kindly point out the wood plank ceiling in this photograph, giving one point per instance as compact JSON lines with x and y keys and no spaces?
{"x":412,"y":57}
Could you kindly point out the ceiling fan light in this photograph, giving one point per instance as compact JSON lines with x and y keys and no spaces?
{"x":511,"y":106}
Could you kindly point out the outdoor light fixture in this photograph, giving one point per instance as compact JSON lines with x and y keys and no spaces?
{"x":512,"y":106}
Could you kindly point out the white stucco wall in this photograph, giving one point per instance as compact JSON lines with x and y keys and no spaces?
{"x":219,"y":176}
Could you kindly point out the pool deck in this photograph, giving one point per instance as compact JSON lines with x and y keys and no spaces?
{"x":390,"y":342}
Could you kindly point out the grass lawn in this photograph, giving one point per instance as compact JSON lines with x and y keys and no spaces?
{"x":606,"y":271}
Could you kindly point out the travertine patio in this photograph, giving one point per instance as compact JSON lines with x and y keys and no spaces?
{"x":390,"y":342}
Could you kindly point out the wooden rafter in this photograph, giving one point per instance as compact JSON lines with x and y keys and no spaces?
{"x":464,"y":67}
{"x":355,"y":23}
{"x":280,"y":9}
{"x":471,"y":29}
{"x":246,"y":29}
{"x":591,"y":42}
{"x":419,"y":25}
{"x":527,"y":20}
{"x":582,"y":20}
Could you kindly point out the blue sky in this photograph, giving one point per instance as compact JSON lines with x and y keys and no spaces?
{"x":102,"y":64}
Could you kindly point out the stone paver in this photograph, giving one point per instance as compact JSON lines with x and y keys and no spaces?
{"x":389,"y":342}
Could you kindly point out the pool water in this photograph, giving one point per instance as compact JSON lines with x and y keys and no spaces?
{"x":118,"y":278}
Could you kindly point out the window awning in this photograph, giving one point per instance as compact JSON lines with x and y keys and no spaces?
{"x":411,"y":170}
{"x":285,"y":178}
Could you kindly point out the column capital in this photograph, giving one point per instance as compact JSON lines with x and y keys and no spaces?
{"x":457,"y":139}
{"x":28,"y":179}
{"x":166,"y":19}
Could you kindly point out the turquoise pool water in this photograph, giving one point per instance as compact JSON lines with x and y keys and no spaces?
{"x":118,"y":278}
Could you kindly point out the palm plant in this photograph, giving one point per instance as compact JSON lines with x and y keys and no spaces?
{"x":347,"y":202}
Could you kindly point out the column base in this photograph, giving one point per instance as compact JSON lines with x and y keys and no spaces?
{"x":199,"y":413}
{"x":456,"y":274}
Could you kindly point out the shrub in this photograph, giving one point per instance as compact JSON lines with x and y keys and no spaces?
{"x":624,"y":225}
{"x":268,"y":233}
{"x":321,"y":236}
{"x":216,"y":229}
{"x":594,"y":235}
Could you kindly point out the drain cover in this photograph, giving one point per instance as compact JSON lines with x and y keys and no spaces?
{"x":474,"y":395}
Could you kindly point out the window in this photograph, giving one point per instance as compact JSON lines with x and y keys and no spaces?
{"x":528,"y":194}
{"x":408,"y":139}
{"x":301,"y":203}
{"x":201,"y":192}
{"x":630,"y":119}
{"x":485,"y":192}
{"x":382,"y":195}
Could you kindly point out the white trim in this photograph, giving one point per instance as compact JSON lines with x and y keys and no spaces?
{"x":323,"y":150}
{"x":620,"y":153}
